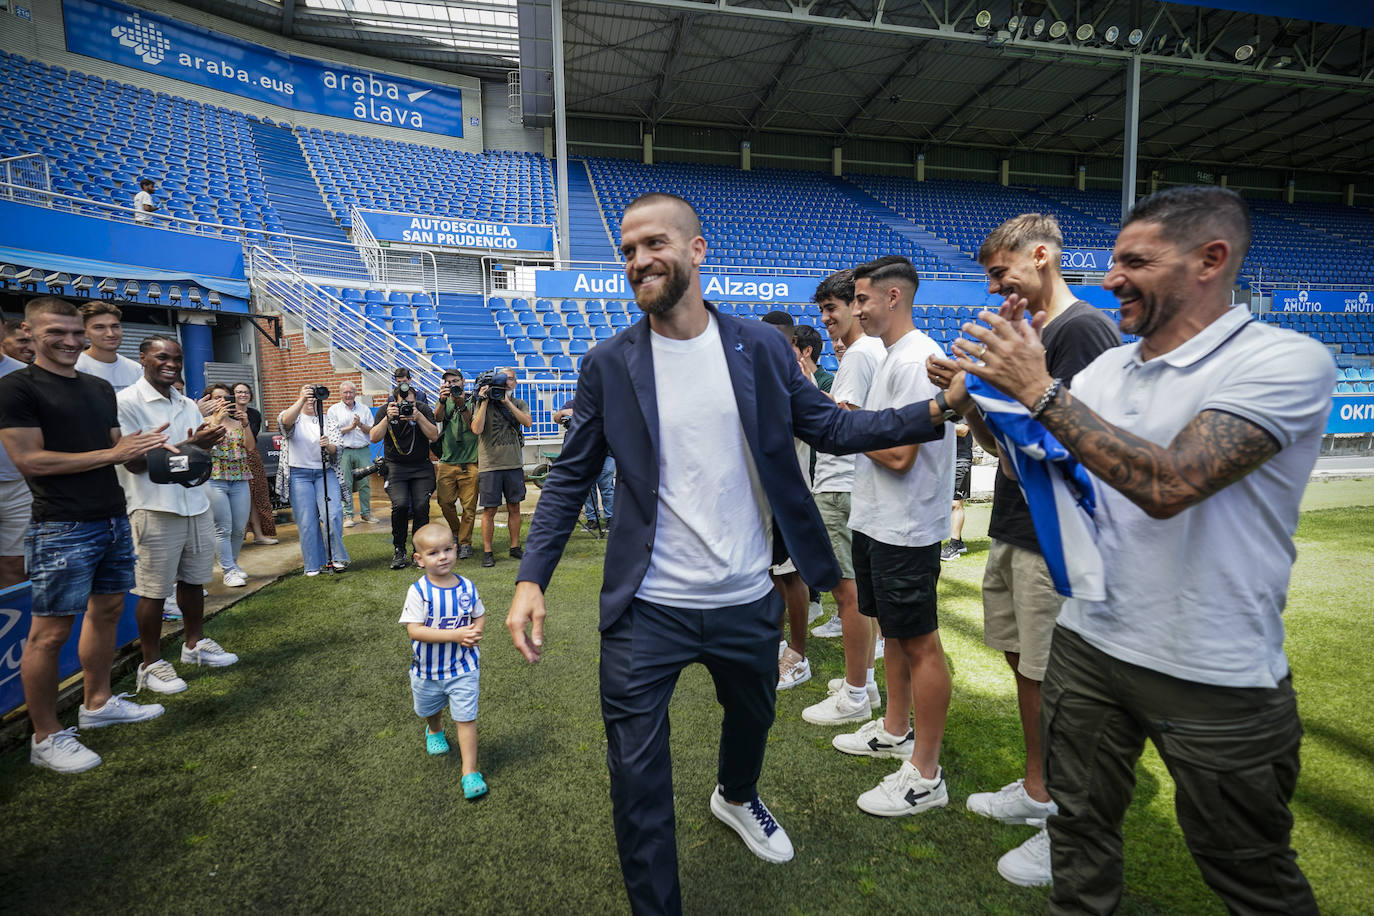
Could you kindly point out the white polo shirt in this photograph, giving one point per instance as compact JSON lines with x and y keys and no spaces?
{"x":1200,"y":596}
{"x":142,"y":408}
{"x":835,"y":473}
{"x":911,"y":509}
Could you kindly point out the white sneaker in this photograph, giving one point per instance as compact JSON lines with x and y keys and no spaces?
{"x":62,"y":752}
{"x":793,"y":669}
{"x":828,"y":630}
{"x":905,"y":792}
{"x":814,"y":612}
{"x":1011,"y":805}
{"x":235,"y":578}
{"x":837,"y":709}
{"x":159,"y":677}
{"x":875,"y":699}
{"x":782,"y":647}
{"x":1028,"y":865}
{"x":117,"y":710}
{"x":878,"y":648}
{"x":207,"y":652}
{"x":755,"y":825}
{"x":872,"y":740}
{"x":350,"y":523}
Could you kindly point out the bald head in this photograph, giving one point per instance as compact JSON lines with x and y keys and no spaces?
{"x":680,"y":213}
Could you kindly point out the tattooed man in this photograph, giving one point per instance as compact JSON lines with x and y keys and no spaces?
{"x":1200,"y":438}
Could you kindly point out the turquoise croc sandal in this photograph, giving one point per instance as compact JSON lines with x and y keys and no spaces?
{"x":435,"y":743}
{"x":474,"y":786}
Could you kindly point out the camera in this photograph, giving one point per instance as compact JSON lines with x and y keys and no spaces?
{"x":406,"y":408}
{"x":566,"y":422}
{"x":319,"y":392}
{"x":377,"y":467}
{"x":495,"y":382}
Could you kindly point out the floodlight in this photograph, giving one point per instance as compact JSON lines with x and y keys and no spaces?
{"x":1013,"y":24}
{"x":1135,"y":37}
{"x":108,"y":287}
{"x":194,"y":295}
{"x":29,"y":278}
{"x":983,"y":19}
{"x":57,"y":282}
{"x":131,"y":289}
{"x":1244,"y":53}
{"x":1058,"y":29}
{"x":174,"y":294}
{"x":83,"y":283}
{"x":1111,"y":35}
{"x":1084,"y":33}
{"x":155,"y":291}
{"x":1039,"y":27}
{"x":214,"y":299}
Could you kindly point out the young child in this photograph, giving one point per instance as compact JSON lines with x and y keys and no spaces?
{"x":444,"y":617}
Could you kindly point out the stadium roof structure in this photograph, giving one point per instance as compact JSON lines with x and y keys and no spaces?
{"x":1259,"y":87}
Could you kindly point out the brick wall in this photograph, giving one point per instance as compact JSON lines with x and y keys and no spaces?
{"x":285,"y":370}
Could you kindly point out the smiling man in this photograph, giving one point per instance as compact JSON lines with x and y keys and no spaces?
{"x":1200,"y":439}
{"x":692,"y":404}
{"x":104,"y":333}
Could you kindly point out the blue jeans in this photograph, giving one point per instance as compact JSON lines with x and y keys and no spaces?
{"x":70,"y":561}
{"x":230,"y":501}
{"x":307,"y":506}
{"x":605,"y":482}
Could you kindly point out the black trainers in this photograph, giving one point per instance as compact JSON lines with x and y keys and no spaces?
{"x":465,"y":551}
{"x":517,"y":553}
{"x":399,"y":560}
{"x":488,"y":559}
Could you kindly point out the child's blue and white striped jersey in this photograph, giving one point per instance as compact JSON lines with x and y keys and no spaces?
{"x":444,"y":609}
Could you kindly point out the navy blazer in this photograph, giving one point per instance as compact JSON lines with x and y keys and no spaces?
{"x":617,"y":410}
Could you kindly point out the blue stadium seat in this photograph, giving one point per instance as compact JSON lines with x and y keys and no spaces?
{"x":562,"y":363}
{"x":550,"y":346}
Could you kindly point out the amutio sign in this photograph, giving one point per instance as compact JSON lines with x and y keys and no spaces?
{"x":1342,"y":301}
{"x":146,"y":41}
{"x":455,"y":232}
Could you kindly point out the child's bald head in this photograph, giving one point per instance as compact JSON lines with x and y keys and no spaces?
{"x":432,"y":535}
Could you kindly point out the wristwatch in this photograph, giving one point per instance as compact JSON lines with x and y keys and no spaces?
{"x":949,"y":413}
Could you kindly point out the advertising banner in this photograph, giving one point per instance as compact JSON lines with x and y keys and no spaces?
{"x":1351,"y":413}
{"x":15,"y":617}
{"x":715,"y":287}
{"x":1092,"y":259}
{"x":1340,"y":301}
{"x":456,"y":232}
{"x":153,"y":43}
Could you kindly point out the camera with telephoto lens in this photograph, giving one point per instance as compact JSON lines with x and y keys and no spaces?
{"x":495,"y":383}
{"x":319,"y":392}
{"x":377,"y":467}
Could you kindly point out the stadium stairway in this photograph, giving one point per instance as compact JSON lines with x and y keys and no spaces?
{"x":290,"y":185}
{"x":474,"y":338}
{"x":957,"y":261}
{"x":589,"y":239}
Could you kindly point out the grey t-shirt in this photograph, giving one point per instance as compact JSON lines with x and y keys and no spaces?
{"x":500,"y":447}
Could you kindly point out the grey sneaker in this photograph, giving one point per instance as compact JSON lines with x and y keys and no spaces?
{"x":62,"y":753}
{"x":1011,"y":805}
{"x":118,"y":709}
{"x":828,"y":630}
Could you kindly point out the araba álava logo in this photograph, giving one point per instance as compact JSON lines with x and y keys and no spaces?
{"x":374,"y":98}
{"x":147,"y":41}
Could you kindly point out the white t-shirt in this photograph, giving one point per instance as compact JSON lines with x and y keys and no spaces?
{"x":1200,"y":596}
{"x":121,"y":373}
{"x":835,"y":473}
{"x":911,"y":509}
{"x":305,"y":442}
{"x":343,"y":415}
{"x":143,"y":408}
{"x":714,"y":538}
{"x":142,"y":199}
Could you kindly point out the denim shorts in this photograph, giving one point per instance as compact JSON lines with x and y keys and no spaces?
{"x":70,"y":561}
{"x":461,"y":692}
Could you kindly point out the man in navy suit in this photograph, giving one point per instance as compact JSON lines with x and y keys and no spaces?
{"x":699,"y":410}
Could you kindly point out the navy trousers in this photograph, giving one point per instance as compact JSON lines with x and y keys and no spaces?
{"x":642,"y":654}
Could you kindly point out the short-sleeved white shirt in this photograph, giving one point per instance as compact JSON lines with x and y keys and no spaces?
{"x":343,"y":415}
{"x":121,"y":373}
{"x":835,"y":473}
{"x":142,"y":408}
{"x":1200,"y":596}
{"x":141,"y":199}
{"x":911,"y":509}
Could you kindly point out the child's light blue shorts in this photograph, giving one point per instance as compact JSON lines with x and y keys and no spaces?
{"x":461,"y":692}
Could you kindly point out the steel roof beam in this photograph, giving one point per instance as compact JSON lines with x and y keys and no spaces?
{"x":777,"y":85}
{"x":883,"y":87}
{"x":682,"y":30}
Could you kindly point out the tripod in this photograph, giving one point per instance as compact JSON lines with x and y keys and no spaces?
{"x":329,"y":566}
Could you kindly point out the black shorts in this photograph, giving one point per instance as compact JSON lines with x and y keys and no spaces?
{"x":896,"y":585}
{"x":497,"y":488}
{"x":963,"y":477}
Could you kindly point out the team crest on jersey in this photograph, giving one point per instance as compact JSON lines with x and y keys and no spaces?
{"x":464,"y":600}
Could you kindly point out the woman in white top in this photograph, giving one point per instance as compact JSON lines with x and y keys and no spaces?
{"x":305,"y":452}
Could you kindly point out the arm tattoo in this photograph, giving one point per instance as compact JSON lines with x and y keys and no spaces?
{"x":1212,"y":452}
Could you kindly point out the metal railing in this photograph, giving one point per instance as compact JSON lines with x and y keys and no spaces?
{"x":27,"y":178}
{"x":394,"y":266}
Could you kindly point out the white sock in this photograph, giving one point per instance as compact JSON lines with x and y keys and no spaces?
{"x":869,"y":677}
{"x":856,"y":694}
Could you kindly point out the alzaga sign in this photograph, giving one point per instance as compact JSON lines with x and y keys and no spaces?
{"x":585,"y":284}
{"x":450,"y":232}
{"x":1323,"y":300}
{"x":146,"y":41}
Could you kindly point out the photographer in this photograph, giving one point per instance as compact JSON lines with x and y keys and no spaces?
{"x":301,"y":472}
{"x":457,"y":460}
{"x":605,"y":481}
{"x":500,"y":456}
{"x":407,"y":428}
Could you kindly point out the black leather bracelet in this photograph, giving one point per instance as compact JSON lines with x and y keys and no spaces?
{"x":942,"y":405}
